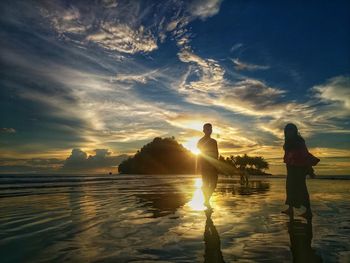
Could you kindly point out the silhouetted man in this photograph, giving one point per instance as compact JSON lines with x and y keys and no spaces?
{"x":208,"y":159}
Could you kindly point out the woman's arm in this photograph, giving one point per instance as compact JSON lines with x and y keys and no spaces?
{"x":300,"y":157}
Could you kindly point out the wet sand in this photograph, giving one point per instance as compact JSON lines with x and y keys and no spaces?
{"x":125,"y":218}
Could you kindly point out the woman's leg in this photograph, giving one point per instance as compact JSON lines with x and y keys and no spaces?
{"x":289,"y":192}
{"x":305,"y":194}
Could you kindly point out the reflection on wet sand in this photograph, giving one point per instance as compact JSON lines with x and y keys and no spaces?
{"x":252,"y":187}
{"x":212,"y":251}
{"x":197,"y":201}
{"x":162,"y":204}
{"x":170,"y":199}
{"x":300,"y":235}
{"x":161,"y":218}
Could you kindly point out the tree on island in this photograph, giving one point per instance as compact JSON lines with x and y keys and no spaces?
{"x":161,"y":156}
{"x":254,"y":165}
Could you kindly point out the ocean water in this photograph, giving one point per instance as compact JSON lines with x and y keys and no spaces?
{"x":138,"y":218}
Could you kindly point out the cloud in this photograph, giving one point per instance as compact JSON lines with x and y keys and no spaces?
{"x":33,"y":162}
{"x":30,"y":165}
{"x":204,"y":83}
{"x":103,"y":159}
{"x":44,"y":161}
{"x":78,"y":161}
{"x":113,"y":27}
{"x":302,"y":119}
{"x":184,"y":14}
{"x":233,"y":140}
{"x":139,"y":77}
{"x":67,"y":21}
{"x":268,"y":109}
{"x":252,"y":97}
{"x":204,"y":8}
{"x":127,"y":27}
{"x":326,"y":111}
{"x":236,"y":47}
{"x":7,"y":130}
{"x":122,"y":38}
{"x":246,"y":66}
{"x":98,"y":103}
{"x":203,"y":79}
{"x":335,"y":90}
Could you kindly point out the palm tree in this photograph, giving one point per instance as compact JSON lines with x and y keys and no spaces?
{"x":245,"y":163}
{"x":260,"y":163}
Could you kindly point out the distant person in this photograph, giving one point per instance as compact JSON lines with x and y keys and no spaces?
{"x":299,"y":164}
{"x":244,"y":177}
{"x":208,"y":157}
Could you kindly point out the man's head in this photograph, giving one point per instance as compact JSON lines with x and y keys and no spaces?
{"x":207,"y":129}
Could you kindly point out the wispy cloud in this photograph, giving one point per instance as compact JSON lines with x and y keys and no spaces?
{"x":66,"y":21}
{"x":104,"y":108}
{"x":138,"y":77}
{"x":205,"y":83}
{"x":204,"y":8}
{"x":7,"y":130}
{"x":326,"y":111}
{"x":253,"y":97}
{"x":335,"y":91}
{"x":207,"y":74}
{"x":123,"y":39}
{"x":123,"y":27}
{"x":116,"y":29}
{"x":239,"y":65}
{"x":236,"y":47}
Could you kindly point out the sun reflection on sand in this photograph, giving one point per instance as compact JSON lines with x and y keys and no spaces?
{"x":197,"y":201}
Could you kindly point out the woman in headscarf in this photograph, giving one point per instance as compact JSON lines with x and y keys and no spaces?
{"x":299,"y":163}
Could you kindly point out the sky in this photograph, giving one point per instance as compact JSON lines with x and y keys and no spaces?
{"x":85,"y":83}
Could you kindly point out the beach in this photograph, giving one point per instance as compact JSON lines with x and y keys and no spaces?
{"x":161,"y":218}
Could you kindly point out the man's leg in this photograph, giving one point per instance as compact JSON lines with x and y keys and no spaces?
{"x":212,"y":184}
{"x":205,"y":188}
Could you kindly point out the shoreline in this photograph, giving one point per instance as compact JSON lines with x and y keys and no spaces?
{"x":87,"y":175}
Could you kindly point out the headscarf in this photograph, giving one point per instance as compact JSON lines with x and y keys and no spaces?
{"x":295,"y":140}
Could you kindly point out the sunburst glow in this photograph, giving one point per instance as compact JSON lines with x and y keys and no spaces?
{"x":191,"y":145}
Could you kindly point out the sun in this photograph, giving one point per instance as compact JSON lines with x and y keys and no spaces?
{"x":191,"y":145}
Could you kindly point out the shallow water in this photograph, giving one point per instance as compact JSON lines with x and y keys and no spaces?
{"x":133,"y":218}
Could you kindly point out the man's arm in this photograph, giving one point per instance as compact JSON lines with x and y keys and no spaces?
{"x":216,"y":150}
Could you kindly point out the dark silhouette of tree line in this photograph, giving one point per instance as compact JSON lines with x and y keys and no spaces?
{"x":167,"y":156}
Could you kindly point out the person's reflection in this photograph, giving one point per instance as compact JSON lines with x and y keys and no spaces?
{"x":300,"y":235}
{"x":212,"y":241}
